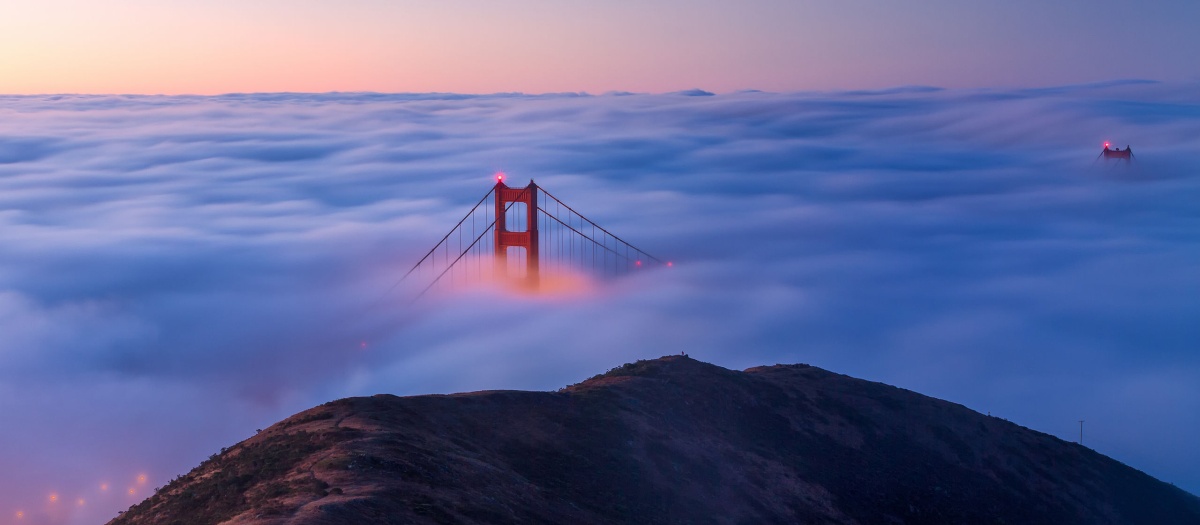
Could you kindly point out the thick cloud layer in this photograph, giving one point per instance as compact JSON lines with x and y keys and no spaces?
{"x":179,"y":271}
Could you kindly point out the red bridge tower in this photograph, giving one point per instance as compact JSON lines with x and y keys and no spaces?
{"x":527,"y":239}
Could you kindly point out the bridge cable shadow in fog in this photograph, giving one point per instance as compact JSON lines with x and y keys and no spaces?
{"x":527,"y":234}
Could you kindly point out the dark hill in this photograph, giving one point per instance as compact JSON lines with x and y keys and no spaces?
{"x":671,"y":440}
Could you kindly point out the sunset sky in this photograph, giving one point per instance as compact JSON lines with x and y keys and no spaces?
{"x":912,"y":198}
{"x":539,"y":46}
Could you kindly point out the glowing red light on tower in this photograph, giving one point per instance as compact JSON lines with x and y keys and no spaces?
{"x":1106,"y":144}
{"x":499,"y":176}
{"x":639,"y":263}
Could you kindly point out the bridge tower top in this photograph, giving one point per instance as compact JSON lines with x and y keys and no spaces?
{"x":537,"y":224}
{"x":526,"y":239}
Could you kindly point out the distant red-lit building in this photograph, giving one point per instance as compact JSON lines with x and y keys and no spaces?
{"x":1116,"y":153}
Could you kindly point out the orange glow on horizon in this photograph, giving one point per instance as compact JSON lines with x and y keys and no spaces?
{"x":173,"y":47}
{"x":210,"y":48}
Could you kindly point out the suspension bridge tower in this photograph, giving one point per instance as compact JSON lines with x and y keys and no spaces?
{"x":509,"y":232}
{"x":526,"y":239}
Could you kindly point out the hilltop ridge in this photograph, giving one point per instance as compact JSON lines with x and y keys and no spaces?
{"x":669,"y":440}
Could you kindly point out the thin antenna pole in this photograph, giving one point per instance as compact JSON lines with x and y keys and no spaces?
{"x":1080,"y":431}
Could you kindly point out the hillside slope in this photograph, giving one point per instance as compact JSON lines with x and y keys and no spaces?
{"x":672,"y":440}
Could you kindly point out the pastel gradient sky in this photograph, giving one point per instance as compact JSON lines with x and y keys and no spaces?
{"x":535,"y":46}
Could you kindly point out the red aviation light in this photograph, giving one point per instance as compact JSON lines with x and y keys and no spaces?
{"x":670,"y":264}
{"x":639,"y":263}
{"x":499,"y":176}
{"x":1106,"y":145}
